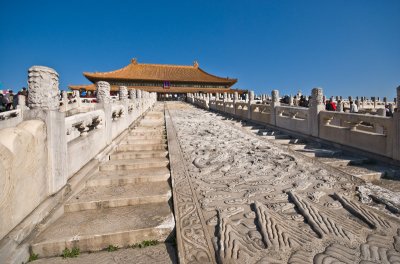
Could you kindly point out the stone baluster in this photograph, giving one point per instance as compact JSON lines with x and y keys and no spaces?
{"x":274,"y":103}
{"x":77,"y":97}
{"x":235,"y":100}
{"x":123,"y":93}
{"x":43,"y":101}
{"x":316,"y":105}
{"x":65,"y":101}
{"x":132,"y":94}
{"x":396,"y":125}
{"x":251,"y":100}
{"x":291,"y":100}
{"x":21,"y":103}
{"x":104,"y":103}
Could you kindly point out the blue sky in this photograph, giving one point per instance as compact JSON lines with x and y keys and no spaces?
{"x":346,"y":47}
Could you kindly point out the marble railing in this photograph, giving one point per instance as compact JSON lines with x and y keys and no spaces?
{"x":374,"y":133}
{"x":293,"y":118}
{"x":80,"y":125}
{"x":10,"y":118}
{"x":371,"y":133}
{"x":43,"y":148}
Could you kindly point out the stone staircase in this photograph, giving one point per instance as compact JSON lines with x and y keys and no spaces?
{"x":350,"y":163}
{"x":125,"y":202}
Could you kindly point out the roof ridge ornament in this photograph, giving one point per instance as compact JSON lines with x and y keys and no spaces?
{"x":196,"y":64}
{"x":134,"y":61}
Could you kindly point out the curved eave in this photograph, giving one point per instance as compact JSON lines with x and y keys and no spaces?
{"x":95,"y":78}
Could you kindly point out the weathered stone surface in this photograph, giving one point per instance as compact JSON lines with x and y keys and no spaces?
{"x":123,"y":93}
{"x":23,"y":173}
{"x":160,"y":254}
{"x":43,"y":88}
{"x":103,"y":92}
{"x":264,"y":204}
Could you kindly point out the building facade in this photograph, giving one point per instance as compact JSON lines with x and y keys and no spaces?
{"x":166,"y":80}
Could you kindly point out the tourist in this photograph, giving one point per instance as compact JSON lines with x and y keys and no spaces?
{"x":7,"y":102}
{"x":302,"y":102}
{"x":24,"y":92}
{"x":353,"y":107}
{"x":15,"y":100}
{"x":388,"y":110}
{"x":330,"y":105}
{"x":2,"y":103}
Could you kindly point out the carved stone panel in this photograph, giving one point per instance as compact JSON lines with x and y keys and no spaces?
{"x":43,"y":88}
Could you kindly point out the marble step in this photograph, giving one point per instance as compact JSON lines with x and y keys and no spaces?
{"x":136,"y":147}
{"x":154,"y":140}
{"x":266,"y":132}
{"x":363,"y":172}
{"x":343,"y":160}
{"x":315,"y":153}
{"x":151,"y":123}
{"x":146,"y":132}
{"x":99,"y":197}
{"x":278,"y":136}
{"x":161,"y":253}
{"x":127,"y":164}
{"x":288,"y":141}
{"x":304,"y":145}
{"x":142,"y":154}
{"x":141,"y":137}
{"x":94,"y":230}
{"x":102,"y":178}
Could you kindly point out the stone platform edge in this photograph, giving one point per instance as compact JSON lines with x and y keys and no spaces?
{"x":192,"y":238}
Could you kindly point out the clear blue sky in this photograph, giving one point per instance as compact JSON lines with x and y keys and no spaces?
{"x":347,"y":47}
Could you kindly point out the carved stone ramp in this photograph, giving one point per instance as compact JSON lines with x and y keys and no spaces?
{"x":125,"y":202}
{"x":243,"y":198}
{"x":350,"y":163}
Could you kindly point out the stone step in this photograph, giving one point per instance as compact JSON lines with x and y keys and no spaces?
{"x":287,"y":141}
{"x":102,"y":178}
{"x":267,"y":132}
{"x":343,"y":160}
{"x":94,"y":230}
{"x":136,"y":147}
{"x":129,"y":164}
{"x":145,"y":136}
{"x":151,"y":123}
{"x":99,"y":197}
{"x":278,"y":136}
{"x":161,"y":253}
{"x":363,"y":172}
{"x":154,"y":140}
{"x":142,"y":154}
{"x":315,"y":153}
{"x":139,"y":131}
{"x":148,"y":129}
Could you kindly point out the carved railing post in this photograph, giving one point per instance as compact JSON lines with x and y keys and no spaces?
{"x":43,"y":101}
{"x":251,"y":100}
{"x":274,"y":103}
{"x":123,"y":93}
{"x":235,"y":100}
{"x":316,"y":106}
{"x":104,"y":103}
{"x":77,"y":96}
{"x":396,"y":124}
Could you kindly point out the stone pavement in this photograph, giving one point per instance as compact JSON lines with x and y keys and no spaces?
{"x":241,"y":196}
{"x":160,"y":254}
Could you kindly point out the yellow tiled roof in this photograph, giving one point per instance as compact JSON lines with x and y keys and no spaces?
{"x":160,"y":72}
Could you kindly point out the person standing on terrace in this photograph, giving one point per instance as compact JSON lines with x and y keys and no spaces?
{"x":353,"y":107}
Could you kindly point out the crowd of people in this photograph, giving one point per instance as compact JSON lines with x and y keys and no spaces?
{"x":9,"y":100}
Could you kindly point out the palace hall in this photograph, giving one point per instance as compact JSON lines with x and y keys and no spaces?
{"x":169,"y":81}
